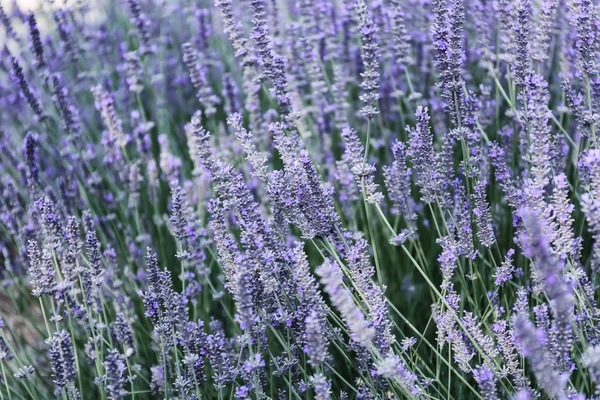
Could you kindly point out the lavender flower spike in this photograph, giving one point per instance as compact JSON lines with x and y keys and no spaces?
{"x":361,"y":330}
{"x":532,"y":347}
{"x":370,"y":55}
{"x":115,"y":375}
{"x":363,"y":172}
{"x":62,"y":358}
{"x":590,"y":359}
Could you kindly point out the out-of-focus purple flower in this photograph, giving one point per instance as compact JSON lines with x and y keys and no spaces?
{"x":585,"y":24}
{"x":312,"y":308}
{"x":31,"y":151}
{"x":142,"y":23}
{"x":26,"y":91}
{"x":6,"y":22}
{"x":531,"y":342}
{"x":448,"y":38}
{"x":68,"y":112}
{"x":538,"y":115}
{"x":197,"y":72}
{"x":234,"y":30}
{"x":590,"y":201}
{"x":503,"y":176}
{"x":548,"y":271}
{"x":65,"y":29}
{"x":590,"y":359}
{"x":122,"y":332}
{"x":363,"y":273}
{"x":5,"y":353}
{"x":93,"y":253}
{"x":425,"y":160}
{"x":394,"y":368}
{"x":361,"y":330}
{"x":539,"y":48}
{"x":510,"y":355}
{"x":36,"y":42}
{"x":448,"y":260}
{"x":257,"y":160}
{"x":397,"y":181}
{"x":134,"y":72}
{"x":115,"y":138}
{"x":462,"y":223}
{"x":322,"y":386}
{"x":486,"y":380}
{"x":564,"y":243}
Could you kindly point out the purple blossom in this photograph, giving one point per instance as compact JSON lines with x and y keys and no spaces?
{"x":62,"y":358}
{"x":370,"y":57}
{"x":483,"y":215}
{"x":531,"y":342}
{"x":115,"y":368}
{"x":360,"y":328}
{"x":36,"y":42}
{"x":487,"y":382}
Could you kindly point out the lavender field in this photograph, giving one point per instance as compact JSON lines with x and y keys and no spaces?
{"x":300,"y":199}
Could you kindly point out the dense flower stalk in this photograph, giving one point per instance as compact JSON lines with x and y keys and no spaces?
{"x":532,"y":347}
{"x":36,"y":42}
{"x":523,"y":31}
{"x":62,"y":358}
{"x":68,"y":112}
{"x":448,"y":36}
{"x":115,"y":368}
{"x":424,"y":158}
{"x":199,"y":79}
{"x":548,"y":270}
{"x":370,"y":57}
{"x":142,"y":23}
{"x":41,"y":270}
{"x":363,"y":172}
{"x":487,"y":382}
{"x":483,"y":215}
{"x":26,"y":90}
{"x":360,"y":328}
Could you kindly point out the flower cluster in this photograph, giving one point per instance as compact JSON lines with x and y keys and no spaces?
{"x":271,"y":199}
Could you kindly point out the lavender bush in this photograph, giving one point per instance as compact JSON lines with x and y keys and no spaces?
{"x":308,"y":199}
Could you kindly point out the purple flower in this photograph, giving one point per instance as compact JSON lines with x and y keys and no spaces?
{"x":199,"y":79}
{"x":523,"y":30}
{"x":590,"y":359}
{"x":322,"y":386}
{"x":425,"y":160}
{"x":36,"y":42}
{"x":62,"y":358}
{"x":142,"y":23}
{"x":504,"y":272}
{"x":361,"y":330}
{"x":134,"y":72}
{"x":531,"y":342}
{"x":115,"y":368}
{"x":363,"y":172}
{"x":26,"y":91}
{"x":41,"y":270}
{"x":487,"y":382}
{"x":370,"y":57}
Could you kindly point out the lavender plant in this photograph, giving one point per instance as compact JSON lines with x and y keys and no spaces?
{"x":300,"y":200}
